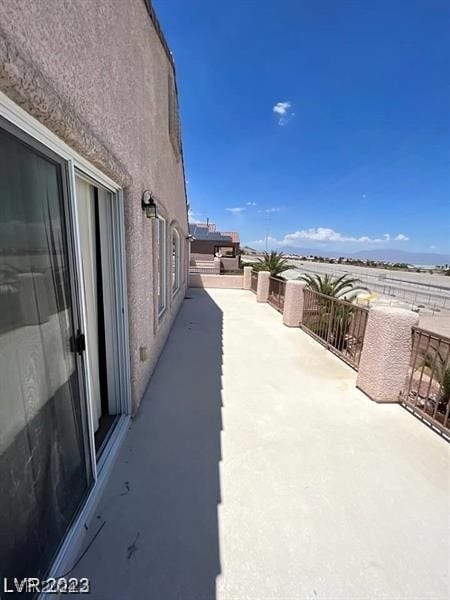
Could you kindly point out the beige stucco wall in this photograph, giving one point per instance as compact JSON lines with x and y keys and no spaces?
{"x":293,"y":303}
{"x":230,"y":264}
{"x":226,"y":282}
{"x":96,"y":74}
{"x":386,"y":354}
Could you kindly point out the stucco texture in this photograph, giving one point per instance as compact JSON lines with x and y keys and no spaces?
{"x":269,"y":478}
{"x":225,"y":282}
{"x":293,"y":303}
{"x":262,"y":290}
{"x":96,"y":74}
{"x":386,"y":353}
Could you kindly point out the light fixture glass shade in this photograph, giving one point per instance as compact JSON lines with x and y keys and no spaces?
{"x":150,"y":210}
{"x":148,"y":205}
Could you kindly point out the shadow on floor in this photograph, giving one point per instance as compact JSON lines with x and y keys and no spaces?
{"x":160,"y":540}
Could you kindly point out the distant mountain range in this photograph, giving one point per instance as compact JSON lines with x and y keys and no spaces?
{"x":381,"y":254}
{"x":414,"y":258}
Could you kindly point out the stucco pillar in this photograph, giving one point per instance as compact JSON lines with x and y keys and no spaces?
{"x":386,"y":353}
{"x":293,"y":303}
{"x":262,"y":291}
{"x":247,"y":284}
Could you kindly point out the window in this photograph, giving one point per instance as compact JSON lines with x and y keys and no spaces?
{"x":176,"y":261}
{"x":61,"y":262}
{"x":162,"y":265}
{"x":224,"y":251}
{"x":174,"y":120}
{"x":95,"y":208}
{"x":44,"y":466}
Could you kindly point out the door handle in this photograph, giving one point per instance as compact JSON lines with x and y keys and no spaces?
{"x":78,"y":343}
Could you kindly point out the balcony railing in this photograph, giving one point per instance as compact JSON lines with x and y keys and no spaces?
{"x":254,"y":282}
{"x":277,"y":290}
{"x":337,"y":324}
{"x":427,"y":388}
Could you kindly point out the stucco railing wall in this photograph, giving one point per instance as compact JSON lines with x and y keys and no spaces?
{"x":387,"y":357}
{"x":225,"y":282}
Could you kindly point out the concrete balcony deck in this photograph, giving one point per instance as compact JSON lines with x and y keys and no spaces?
{"x":255,"y":470}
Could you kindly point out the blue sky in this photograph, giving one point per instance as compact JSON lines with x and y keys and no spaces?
{"x":326,"y":121}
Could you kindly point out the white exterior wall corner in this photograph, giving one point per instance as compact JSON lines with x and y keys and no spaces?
{"x":67,"y":63}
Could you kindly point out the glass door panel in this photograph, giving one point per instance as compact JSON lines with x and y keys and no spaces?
{"x":94,"y":210}
{"x":44,"y":459}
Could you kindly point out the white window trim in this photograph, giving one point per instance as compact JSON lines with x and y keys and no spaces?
{"x":162,"y":266}
{"x":177,"y":266}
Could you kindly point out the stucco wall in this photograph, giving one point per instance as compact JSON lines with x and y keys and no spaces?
{"x":96,"y":74}
{"x":232,"y":282}
{"x":386,"y":354}
{"x":229,"y":264}
{"x":226,"y":264}
{"x":208,"y":246}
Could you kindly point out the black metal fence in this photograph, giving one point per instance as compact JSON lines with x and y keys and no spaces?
{"x":427,"y":388}
{"x":277,"y":290}
{"x":337,"y":324}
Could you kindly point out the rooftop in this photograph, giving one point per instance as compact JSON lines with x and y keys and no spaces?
{"x":207,"y":231}
{"x":255,"y":470}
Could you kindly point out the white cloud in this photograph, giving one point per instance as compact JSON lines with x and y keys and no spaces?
{"x":271,"y":241}
{"x":271,"y":210}
{"x":251,"y":203}
{"x":328,"y":235}
{"x":282,"y":109}
{"x":193,"y":217}
{"x":236,"y":210}
{"x":433,"y":247}
{"x":325,"y":234}
{"x":401,"y":238}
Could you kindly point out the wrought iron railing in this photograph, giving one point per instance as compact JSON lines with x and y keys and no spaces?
{"x":277,"y":290}
{"x":338,"y":324}
{"x":254,"y":282}
{"x":427,"y":388}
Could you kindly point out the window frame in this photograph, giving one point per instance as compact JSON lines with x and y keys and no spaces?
{"x":24,"y":126}
{"x":161,"y":223}
{"x":218,"y":249}
{"x":176,"y":261}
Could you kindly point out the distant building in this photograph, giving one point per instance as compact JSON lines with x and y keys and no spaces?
{"x":208,"y":243}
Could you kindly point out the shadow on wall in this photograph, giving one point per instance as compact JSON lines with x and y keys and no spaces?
{"x":160,"y":539}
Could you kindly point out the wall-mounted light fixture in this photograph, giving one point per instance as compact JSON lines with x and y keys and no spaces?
{"x":149,"y":205}
{"x":190,"y":238}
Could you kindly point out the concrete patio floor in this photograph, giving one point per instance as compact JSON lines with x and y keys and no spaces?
{"x":255,"y":470}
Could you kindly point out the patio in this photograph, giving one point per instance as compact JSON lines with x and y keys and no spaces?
{"x":255,"y":470}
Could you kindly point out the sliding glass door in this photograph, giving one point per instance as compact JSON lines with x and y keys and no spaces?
{"x":45,"y":467}
{"x":95,"y":207}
